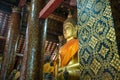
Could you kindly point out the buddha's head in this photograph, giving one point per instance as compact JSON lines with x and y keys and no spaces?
{"x":69,"y":28}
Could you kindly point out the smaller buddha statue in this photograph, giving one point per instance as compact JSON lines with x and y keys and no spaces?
{"x":69,"y":51}
{"x":48,"y":68}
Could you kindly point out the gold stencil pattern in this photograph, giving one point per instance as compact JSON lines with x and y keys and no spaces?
{"x":107,"y":11}
{"x":89,"y":5}
{"x":86,"y":56}
{"x":116,"y":62}
{"x":95,"y":66}
{"x":91,"y":21}
{"x":93,"y":42}
{"x":111,"y":34}
{"x":103,"y":51}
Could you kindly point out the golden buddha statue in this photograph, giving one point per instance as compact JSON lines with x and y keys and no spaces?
{"x":69,"y":51}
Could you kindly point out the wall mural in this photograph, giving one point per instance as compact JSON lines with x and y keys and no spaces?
{"x":99,"y":59}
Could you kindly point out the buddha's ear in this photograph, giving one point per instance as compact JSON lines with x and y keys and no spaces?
{"x":76,"y":27}
{"x":75,"y":30}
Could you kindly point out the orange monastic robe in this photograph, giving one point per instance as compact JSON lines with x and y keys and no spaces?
{"x":67,"y":51}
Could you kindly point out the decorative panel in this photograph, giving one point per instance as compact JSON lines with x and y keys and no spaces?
{"x":4,"y":18}
{"x":98,"y":52}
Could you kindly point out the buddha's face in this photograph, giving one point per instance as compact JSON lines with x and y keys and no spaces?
{"x":68,"y":31}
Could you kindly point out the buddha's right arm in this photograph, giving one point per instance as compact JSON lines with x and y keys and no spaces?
{"x":69,"y":67}
{"x":73,"y":71}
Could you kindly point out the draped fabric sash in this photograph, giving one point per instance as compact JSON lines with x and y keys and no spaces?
{"x":67,"y":51}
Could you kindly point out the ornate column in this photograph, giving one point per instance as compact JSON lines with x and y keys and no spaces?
{"x":26,"y":10}
{"x":10,"y":47}
{"x":35,"y":42}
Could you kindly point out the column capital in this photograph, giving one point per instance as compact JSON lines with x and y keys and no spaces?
{"x":16,"y":9}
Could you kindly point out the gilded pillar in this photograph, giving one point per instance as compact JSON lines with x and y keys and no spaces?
{"x":10,"y":47}
{"x":23,"y":68}
{"x":35,"y":44}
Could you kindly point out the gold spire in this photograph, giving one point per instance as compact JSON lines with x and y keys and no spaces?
{"x":15,"y":9}
{"x":70,"y":19}
{"x":69,"y":15}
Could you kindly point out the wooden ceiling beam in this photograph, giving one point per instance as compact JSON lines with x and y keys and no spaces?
{"x":49,"y":8}
{"x":3,"y":38}
{"x":56,"y":17}
{"x":6,"y":3}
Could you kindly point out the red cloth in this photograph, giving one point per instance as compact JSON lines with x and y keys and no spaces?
{"x":67,"y":51}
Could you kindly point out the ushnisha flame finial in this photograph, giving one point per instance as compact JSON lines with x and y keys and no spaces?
{"x":69,"y":14}
{"x":70,"y":18}
{"x":15,"y":9}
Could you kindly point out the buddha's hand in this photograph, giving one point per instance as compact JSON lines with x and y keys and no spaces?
{"x":60,"y":70}
{"x":66,"y":74}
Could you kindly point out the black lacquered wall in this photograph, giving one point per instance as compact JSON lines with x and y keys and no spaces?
{"x":98,"y":52}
